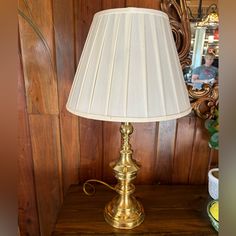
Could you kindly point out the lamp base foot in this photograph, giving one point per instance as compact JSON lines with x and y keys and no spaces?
{"x":122,"y":216}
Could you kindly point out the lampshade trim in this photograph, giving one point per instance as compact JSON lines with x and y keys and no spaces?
{"x":133,"y":10}
{"x":129,"y":119}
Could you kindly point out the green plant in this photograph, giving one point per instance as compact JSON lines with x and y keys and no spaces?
{"x":212,"y":125}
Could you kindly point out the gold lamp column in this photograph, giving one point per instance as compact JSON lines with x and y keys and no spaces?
{"x":124,"y":211}
{"x":129,"y":71}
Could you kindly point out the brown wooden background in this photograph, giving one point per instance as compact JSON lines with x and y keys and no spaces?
{"x":56,"y":148}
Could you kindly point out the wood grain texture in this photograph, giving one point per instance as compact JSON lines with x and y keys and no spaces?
{"x":65,"y":63}
{"x":36,"y":36}
{"x":185,"y":131}
{"x":70,"y":150}
{"x":40,"y":13}
{"x":45,"y":139}
{"x":111,"y":149}
{"x":91,"y":150}
{"x":65,"y":48}
{"x":201,"y":154}
{"x":143,"y":145}
{"x":84,"y":12}
{"x":154,"y":4}
{"x":214,"y":159}
{"x":165,"y":151}
{"x":28,"y":215}
{"x":170,"y":210}
{"x":107,"y":4}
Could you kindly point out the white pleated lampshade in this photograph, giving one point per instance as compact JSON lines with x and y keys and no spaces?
{"x":129,"y":69}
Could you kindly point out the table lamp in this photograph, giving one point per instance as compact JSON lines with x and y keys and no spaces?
{"x":129,"y":71}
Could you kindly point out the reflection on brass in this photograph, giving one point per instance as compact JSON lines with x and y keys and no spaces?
{"x":179,"y":21}
{"x":204,"y":101}
{"x":211,"y":19}
{"x":124,"y":211}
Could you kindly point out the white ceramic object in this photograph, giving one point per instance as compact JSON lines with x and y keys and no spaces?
{"x":213,"y":184}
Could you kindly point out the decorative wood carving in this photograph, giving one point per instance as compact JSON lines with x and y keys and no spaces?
{"x":177,"y":12}
{"x":204,"y":101}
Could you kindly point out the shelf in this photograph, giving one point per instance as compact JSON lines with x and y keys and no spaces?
{"x":170,"y":210}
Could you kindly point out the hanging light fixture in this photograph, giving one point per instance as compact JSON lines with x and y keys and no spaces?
{"x":211,"y":19}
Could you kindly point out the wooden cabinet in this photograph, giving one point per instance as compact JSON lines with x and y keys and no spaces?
{"x":169,"y":209}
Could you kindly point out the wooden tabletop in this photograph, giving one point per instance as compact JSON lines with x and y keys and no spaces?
{"x":169,"y":209}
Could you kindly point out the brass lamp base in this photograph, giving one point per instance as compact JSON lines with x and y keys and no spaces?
{"x":123,"y":217}
{"x":124,"y":211}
